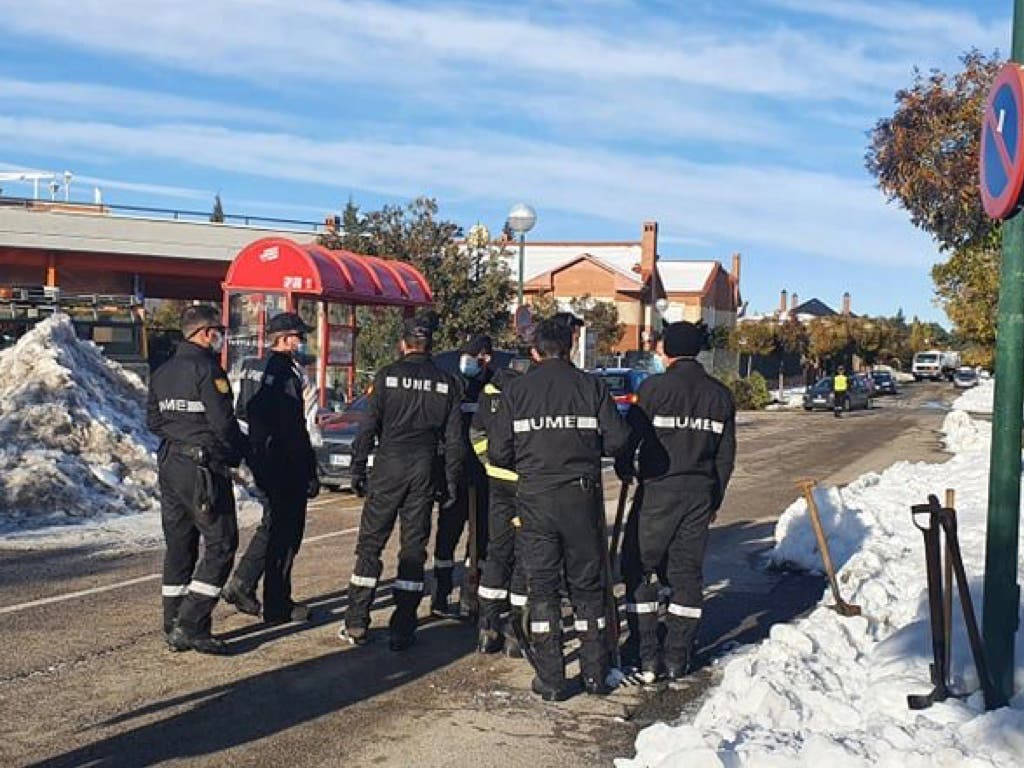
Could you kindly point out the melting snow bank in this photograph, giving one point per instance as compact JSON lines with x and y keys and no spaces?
{"x":978,"y":399}
{"x":77,"y":463}
{"x":827,"y":690}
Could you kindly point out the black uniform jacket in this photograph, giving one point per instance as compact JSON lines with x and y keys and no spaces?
{"x":249,"y":383}
{"x":277,"y":424}
{"x":554,"y":424}
{"x":190,"y":406}
{"x":413,"y":408}
{"x":685,"y":423}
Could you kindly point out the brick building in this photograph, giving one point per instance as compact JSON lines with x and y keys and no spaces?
{"x":633,"y":276}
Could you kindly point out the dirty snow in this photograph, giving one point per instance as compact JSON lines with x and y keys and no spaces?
{"x":831,"y":690}
{"x":977,"y":399}
{"x":77,"y":463}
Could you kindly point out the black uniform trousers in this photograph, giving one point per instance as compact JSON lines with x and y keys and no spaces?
{"x":666,"y":535}
{"x":402,"y":487}
{"x":563,"y":531}
{"x":452,"y":520}
{"x":271,"y":552}
{"x":190,"y":590}
{"x":503,"y":580}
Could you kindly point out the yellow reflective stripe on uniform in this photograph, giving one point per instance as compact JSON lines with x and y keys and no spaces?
{"x":501,"y":473}
{"x":480,"y":446}
{"x":490,"y":389}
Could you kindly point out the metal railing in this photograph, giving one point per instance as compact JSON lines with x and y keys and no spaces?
{"x":172,"y":214}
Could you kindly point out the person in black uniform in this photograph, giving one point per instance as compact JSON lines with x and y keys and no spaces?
{"x":684,"y":423}
{"x":285,"y":471}
{"x":414,"y":407}
{"x":190,"y":410}
{"x":502,"y":587}
{"x":552,"y":427}
{"x":474,"y":368}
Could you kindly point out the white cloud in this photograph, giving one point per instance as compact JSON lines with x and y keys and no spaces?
{"x":89,"y":100}
{"x":774,"y":206}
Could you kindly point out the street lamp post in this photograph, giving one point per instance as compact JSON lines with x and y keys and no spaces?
{"x":521,"y":220}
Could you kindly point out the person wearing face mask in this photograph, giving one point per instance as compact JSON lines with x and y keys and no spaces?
{"x":285,"y":468}
{"x":684,"y":425}
{"x":476,"y":373}
{"x":190,"y":410}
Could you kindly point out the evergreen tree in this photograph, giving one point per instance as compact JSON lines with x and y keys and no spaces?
{"x":217,"y":214}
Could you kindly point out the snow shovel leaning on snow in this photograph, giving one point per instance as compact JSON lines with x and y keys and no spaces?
{"x":943,"y":520}
{"x":841,"y":607}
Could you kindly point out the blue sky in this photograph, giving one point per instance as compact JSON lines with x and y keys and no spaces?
{"x":739,"y":126}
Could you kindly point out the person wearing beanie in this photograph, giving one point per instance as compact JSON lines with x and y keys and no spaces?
{"x":471,"y":495}
{"x":413,"y":416}
{"x":684,"y":443}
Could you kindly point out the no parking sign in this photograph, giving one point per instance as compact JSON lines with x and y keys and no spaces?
{"x":1002,"y":144}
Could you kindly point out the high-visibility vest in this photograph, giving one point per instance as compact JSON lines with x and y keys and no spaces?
{"x":839,"y":383}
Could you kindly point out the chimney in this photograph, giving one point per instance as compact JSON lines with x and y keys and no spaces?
{"x":846,"y":303}
{"x":736,"y":268}
{"x":648,"y":249}
{"x":794,"y":302}
{"x":332,"y":223}
{"x":783,"y":301}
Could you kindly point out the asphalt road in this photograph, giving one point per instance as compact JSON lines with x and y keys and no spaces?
{"x":85,"y":679}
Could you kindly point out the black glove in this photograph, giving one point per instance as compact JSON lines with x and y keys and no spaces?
{"x":313,"y":488}
{"x":451,"y":496}
{"x":625,"y":470}
{"x":359,"y":485}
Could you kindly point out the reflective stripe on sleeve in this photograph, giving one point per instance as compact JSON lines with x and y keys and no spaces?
{"x":363,"y":581}
{"x":517,"y":600}
{"x":408,"y":586}
{"x":202,"y":588}
{"x":642,"y":607}
{"x":174,"y":590}
{"x":501,"y":473}
{"x":489,"y":593}
{"x":540,"y":627}
{"x":685,"y":611}
{"x":582,"y":624}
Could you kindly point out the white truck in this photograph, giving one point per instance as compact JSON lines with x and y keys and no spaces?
{"x":935,"y":365}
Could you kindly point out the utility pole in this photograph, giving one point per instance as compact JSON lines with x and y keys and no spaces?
{"x":1002,"y":593}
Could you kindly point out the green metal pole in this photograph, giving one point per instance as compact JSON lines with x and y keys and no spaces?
{"x":1002,"y":594}
{"x":522,"y":261}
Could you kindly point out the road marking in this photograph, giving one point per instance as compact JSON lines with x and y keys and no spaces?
{"x":132,"y":582}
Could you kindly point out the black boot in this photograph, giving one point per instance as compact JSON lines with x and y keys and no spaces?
{"x":593,"y":656}
{"x":552,"y":693}
{"x":181,"y":639}
{"x":241,"y":597}
{"x":297,"y":612}
{"x":490,"y":641}
{"x":354,"y":635}
{"x":399,"y":643}
{"x":596,"y":686}
{"x":443,"y":609}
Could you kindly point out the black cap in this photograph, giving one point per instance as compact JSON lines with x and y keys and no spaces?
{"x":479,"y":344}
{"x":569,"y":319}
{"x":198,"y":316}
{"x":420,"y":326}
{"x":684,"y":339}
{"x":287,"y":322}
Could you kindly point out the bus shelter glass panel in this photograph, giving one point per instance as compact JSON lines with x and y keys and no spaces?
{"x":248,"y":314}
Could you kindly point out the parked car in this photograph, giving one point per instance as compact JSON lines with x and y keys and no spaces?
{"x":623,"y":383}
{"x":820,"y":395}
{"x":965,"y":378}
{"x":885,"y":383}
{"x":867,"y":381}
{"x":334,"y":454}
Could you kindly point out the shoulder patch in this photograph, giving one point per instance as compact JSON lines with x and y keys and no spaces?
{"x":222,"y":386}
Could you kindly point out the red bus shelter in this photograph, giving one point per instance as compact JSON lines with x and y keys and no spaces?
{"x":324,"y":287}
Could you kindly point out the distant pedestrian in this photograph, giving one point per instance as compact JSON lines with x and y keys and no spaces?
{"x":684,"y":427}
{"x":840,"y":391}
{"x":414,"y":407}
{"x":190,"y":410}
{"x":285,"y":467}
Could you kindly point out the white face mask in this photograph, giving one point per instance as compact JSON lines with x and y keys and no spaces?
{"x":217,"y":341}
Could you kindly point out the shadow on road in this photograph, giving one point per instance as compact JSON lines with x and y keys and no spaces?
{"x":241,"y":712}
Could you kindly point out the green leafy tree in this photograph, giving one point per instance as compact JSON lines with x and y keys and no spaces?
{"x":544,"y":305}
{"x":828,"y":339}
{"x":603,"y":317}
{"x":754,"y":337}
{"x":472,"y":290}
{"x":925,"y":157}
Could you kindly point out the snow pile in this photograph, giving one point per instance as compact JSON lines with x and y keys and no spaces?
{"x":977,"y":399}
{"x":787,"y":398}
{"x":77,"y":463}
{"x":832,"y":690}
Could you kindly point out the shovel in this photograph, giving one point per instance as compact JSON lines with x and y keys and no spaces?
{"x":841,"y":607}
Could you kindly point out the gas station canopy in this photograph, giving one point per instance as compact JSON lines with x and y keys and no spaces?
{"x":278,"y":264}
